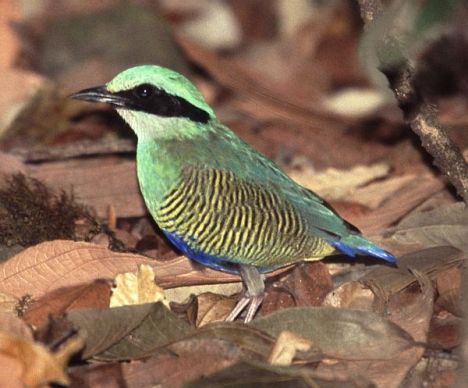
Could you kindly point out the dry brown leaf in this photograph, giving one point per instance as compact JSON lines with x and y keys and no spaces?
{"x":62,"y":263}
{"x":183,"y":294}
{"x":185,"y":361}
{"x":36,"y":365}
{"x":412,"y":312}
{"x":445,"y":331}
{"x":376,"y":193}
{"x":9,"y":10}
{"x":20,"y":88}
{"x":137,"y":288}
{"x":240,"y":77}
{"x":410,"y":196}
{"x":306,"y":284}
{"x":8,"y":303}
{"x":351,"y":295}
{"x":15,"y":326}
{"x":91,"y":295}
{"x":449,"y":289}
{"x":286,"y":346}
{"x":213,"y":308}
{"x":333,"y":183}
{"x":10,"y":372}
{"x":386,"y":281}
{"x":97,"y":182}
{"x":10,"y":164}
{"x":443,"y":225}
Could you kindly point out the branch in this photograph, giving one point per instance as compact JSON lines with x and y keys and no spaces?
{"x":420,"y":115}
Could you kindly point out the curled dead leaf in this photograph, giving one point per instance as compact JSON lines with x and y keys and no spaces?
{"x":213,"y":308}
{"x":37,"y":365}
{"x":286,"y":346}
{"x":138,"y":288}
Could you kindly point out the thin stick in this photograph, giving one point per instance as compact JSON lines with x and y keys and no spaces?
{"x":421,"y":116}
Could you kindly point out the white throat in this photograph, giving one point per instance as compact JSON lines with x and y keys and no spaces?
{"x":150,"y":126}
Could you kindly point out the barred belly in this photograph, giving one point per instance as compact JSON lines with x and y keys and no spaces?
{"x":219,"y":214}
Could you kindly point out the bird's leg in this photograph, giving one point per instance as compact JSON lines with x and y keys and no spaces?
{"x":253,"y":296}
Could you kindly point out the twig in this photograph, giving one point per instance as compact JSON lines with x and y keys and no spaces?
{"x":420,"y":115}
{"x":77,"y":149}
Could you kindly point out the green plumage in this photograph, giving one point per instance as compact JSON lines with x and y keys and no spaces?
{"x":233,"y":202}
{"x":217,"y":199}
{"x":233,"y":218}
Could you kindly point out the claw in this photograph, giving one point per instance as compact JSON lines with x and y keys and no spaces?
{"x":254,"y":294}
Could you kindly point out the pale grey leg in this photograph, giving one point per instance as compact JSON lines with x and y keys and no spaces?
{"x":254,"y":294}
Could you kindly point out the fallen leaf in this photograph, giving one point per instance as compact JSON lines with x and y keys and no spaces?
{"x":445,"y":332}
{"x":10,"y":164}
{"x":448,"y":285}
{"x":306,"y":284}
{"x":53,"y":333}
{"x":397,"y":206}
{"x":213,"y":308}
{"x":242,"y":79}
{"x":410,"y":311}
{"x":127,"y":332}
{"x":340,"y":333}
{"x":332,"y":183}
{"x":386,"y":281}
{"x":92,"y":295}
{"x":184,"y":361}
{"x":10,"y":41}
{"x":22,"y":88}
{"x":61,"y":263}
{"x":182,"y":294}
{"x":351,"y":295}
{"x":137,"y":288}
{"x":97,"y":182}
{"x":254,"y":374}
{"x":103,"y":328}
{"x":38,"y":366}
{"x":447,"y":225}
{"x":8,"y":303}
{"x":286,"y":346}
{"x":376,"y":193}
{"x":158,"y":328}
{"x":15,"y":326}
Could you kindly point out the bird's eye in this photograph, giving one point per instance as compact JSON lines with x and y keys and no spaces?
{"x":144,"y":91}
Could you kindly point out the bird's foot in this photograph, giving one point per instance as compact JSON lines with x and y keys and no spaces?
{"x":254,"y":295}
{"x":253,"y":302}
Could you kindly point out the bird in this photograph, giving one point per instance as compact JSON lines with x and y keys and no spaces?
{"x":215,"y":198}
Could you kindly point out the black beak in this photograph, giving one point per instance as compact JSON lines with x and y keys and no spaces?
{"x":101,"y":94}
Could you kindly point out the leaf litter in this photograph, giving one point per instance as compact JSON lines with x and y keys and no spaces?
{"x":274,"y":88}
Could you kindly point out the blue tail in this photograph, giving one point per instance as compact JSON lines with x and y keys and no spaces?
{"x":354,"y":245}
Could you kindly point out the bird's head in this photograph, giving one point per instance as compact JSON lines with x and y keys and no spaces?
{"x":154,"y":101}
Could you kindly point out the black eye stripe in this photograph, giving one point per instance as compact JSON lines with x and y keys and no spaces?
{"x":150,"y":99}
